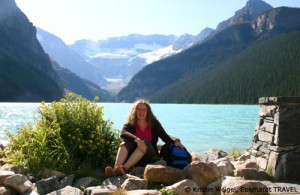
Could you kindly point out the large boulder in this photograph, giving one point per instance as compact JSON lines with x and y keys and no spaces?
{"x":84,"y":182}
{"x":163,"y":174}
{"x":214,"y":188}
{"x":185,"y":187}
{"x":252,"y":174}
{"x":68,"y":190}
{"x":19,"y":183}
{"x":5,"y":174}
{"x":48,"y":185}
{"x":143,"y":192}
{"x":236,"y":185}
{"x":7,"y":191}
{"x":202,"y":173}
{"x":213,"y":155}
{"x":102,"y":189}
{"x":134,"y":184}
{"x":225,"y":166}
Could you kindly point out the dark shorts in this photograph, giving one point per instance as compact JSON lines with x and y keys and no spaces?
{"x":149,"y":157}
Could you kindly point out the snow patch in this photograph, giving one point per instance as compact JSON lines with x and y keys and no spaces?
{"x":158,"y":54}
{"x":113,"y":80}
{"x":150,"y":47}
{"x":113,"y":54}
{"x":110,"y":55}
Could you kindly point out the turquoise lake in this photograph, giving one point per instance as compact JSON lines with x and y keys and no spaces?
{"x":200,"y":127}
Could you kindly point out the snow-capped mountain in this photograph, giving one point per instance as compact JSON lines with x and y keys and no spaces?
{"x":120,"y":58}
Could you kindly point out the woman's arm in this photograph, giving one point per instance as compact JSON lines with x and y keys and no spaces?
{"x":166,"y":138}
{"x":162,"y":133}
{"x":127,"y":133}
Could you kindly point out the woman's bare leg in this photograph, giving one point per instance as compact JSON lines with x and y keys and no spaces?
{"x":121,"y":156}
{"x":134,"y":158}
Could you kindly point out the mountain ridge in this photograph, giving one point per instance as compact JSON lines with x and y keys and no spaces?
{"x":67,"y":58}
{"x":27,"y":73}
{"x":23,"y":61}
{"x":244,"y":78}
{"x":195,"y":59}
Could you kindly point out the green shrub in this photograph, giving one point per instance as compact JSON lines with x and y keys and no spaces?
{"x":66,"y":134}
{"x":269,"y":171}
{"x":164,"y":191}
{"x":235,"y":152}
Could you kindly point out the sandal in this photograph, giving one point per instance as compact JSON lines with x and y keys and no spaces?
{"x":120,"y":170}
{"x":109,"y":171}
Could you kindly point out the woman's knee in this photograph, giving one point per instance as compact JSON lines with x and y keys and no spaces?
{"x":129,"y":146}
{"x":148,"y":143}
{"x":150,"y":149}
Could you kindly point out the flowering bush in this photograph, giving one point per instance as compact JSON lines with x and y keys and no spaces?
{"x":67,"y":134}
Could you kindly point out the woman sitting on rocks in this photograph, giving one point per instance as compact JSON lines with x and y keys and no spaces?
{"x":140,"y":136}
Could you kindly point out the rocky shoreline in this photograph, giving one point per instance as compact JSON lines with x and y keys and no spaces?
{"x":270,"y":166}
{"x":214,"y":173}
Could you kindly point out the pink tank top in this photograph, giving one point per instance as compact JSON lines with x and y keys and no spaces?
{"x":146,"y":134}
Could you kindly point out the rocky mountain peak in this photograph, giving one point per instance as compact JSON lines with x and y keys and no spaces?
{"x":254,"y":8}
{"x":251,"y":11}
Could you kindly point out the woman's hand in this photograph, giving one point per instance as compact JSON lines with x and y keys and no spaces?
{"x":178,"y":143}
{"x":141,"y":145}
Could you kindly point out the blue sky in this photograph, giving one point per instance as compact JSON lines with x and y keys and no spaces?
{"x":73,"y":20}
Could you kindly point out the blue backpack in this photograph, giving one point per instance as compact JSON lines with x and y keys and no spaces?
{"x":175,"y":156}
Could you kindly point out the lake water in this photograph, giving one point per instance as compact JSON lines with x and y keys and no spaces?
{"x":200,"y":127}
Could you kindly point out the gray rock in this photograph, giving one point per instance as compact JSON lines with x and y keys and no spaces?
{"x":252,"y":174}
{"x":48,"y":185}
{"x":103,"y":189}
{"x":138,"y":171}
{"x":5,"y":174}
{"x":50,"y":173}
{"x":232,"y":185}
{"x":16,"y":169}
{"x":67,"y":181}
{"x":19,"y":183}
{"x":68,"y":190}
{"x":117,"y":180}
{"x":134,"y":184}
{"x":84,"y":182}
{"x":212,"y":188}
{"x":143,"y":192}
{"x":213,"y":155}
{"x":185,"y":187}
{"x":7,"y":191}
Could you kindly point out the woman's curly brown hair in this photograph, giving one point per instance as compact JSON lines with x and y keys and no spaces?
{"x":132,"y":119}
